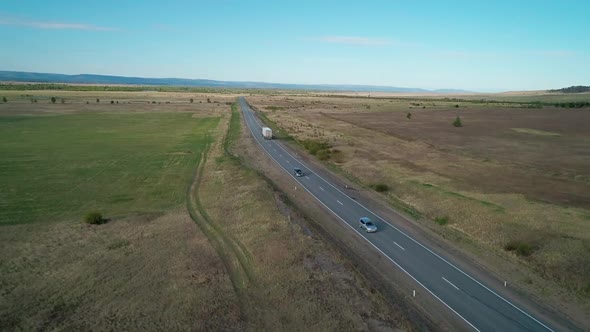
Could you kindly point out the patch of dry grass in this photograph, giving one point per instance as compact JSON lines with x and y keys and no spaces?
{"x":140,"y":272}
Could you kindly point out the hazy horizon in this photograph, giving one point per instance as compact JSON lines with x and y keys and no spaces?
{"x":483,"y":47}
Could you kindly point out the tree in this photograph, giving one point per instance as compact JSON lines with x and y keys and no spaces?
{"x":112,"y":102}
{"x":53,"y":100}
{"x":4,"y":100}
{"x":192,"y":100}
{"x":457,"y":106}
{"x":457,"y":122}
{"x":208,"y":100}
{"x":409,"y":116}
{"x":97,"y":100}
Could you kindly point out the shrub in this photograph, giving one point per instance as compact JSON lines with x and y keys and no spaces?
{"x":112,"y":102}
{"x":520,"y":247}
{"x":380,"y":187}
{"x":94,"y":218}
{"x":4,"y":100}
{"x":524,"y":249}
{"x":457,"y":122}
{"x":409,"y":116}
{"x":192,"y":100}
{"x":442,"y":220}
{"x":53,"y":100}
{"x":63,"y":101}
{"x":457,"y":106}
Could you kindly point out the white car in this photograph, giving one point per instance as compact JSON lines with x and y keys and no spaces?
{"x":366,"y":224}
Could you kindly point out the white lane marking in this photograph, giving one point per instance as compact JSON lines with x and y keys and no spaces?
{"x":432,"y":252}
{"x":307,"y":177}
{"x":288,"y":161}
{"x":321,"y":188}
{"x":339,"y":202}
{"x":450,"y":283}
{"x":402,"y":248}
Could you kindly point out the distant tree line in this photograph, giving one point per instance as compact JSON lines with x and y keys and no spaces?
{"x":131,"y":88}
{"x":577,"y":104}
{"x":573,"y":89}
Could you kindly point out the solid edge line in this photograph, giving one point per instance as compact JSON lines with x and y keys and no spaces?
{"x":420,"y":244}
{"x":359,"y":233}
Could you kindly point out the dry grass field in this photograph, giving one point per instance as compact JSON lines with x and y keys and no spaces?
{"x":213,"y":249}
{"x":514,"y":179}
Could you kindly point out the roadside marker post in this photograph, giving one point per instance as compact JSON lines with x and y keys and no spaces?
{"x":414,"y":293}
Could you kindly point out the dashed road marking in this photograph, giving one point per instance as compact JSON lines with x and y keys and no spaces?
{"x":339,"y":202}
{"x":450,"y":283}
{"x":402,"y":248}
{"x":321,"y":188}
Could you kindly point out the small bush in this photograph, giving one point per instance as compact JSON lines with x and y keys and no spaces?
{"x":112,"y":102}
{"x":94,"y":218}
{"x":97,"y":100}
{"x":192,"y":100}
{"x":521,"y":248}
{"x":409,"y":115}
{"x":380,"y":187}
{"x":53,"y":100}
{"x":4,"y":100}
{"x":457,"y":122}
{"x":524,"y":249}
{"x":442,"y":220}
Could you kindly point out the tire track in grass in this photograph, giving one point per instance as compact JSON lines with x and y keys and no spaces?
{"x":232,"y":253}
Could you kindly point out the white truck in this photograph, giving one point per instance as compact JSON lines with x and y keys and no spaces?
{"x":266,"y":133}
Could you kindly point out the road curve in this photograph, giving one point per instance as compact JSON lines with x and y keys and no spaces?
{"x":476,"y":304}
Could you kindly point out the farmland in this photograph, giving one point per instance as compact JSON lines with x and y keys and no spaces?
{"x":512,"y":181}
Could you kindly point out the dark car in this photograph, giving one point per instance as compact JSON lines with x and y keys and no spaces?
{"x":298,"y":172}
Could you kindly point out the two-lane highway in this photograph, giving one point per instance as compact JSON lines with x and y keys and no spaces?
{"x":479,"y":306}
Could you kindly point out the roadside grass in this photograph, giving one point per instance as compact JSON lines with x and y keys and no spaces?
{"x":274,"y":108}
{"x":535,"y":132}
{"x":62,"y":166}
{"x":442,"y":220}
{"x":276,"y":130}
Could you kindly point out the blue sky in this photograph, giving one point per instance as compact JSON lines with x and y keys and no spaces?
{"x":474,"y":45}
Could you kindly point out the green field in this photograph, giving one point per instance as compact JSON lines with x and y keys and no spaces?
{"x":59,"y":167}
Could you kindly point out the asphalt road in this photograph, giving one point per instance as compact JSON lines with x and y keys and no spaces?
{"x":478,"y":305}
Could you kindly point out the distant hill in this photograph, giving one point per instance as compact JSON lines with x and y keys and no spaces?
{"x":573,"y":89}
{"x":17,"y":76}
